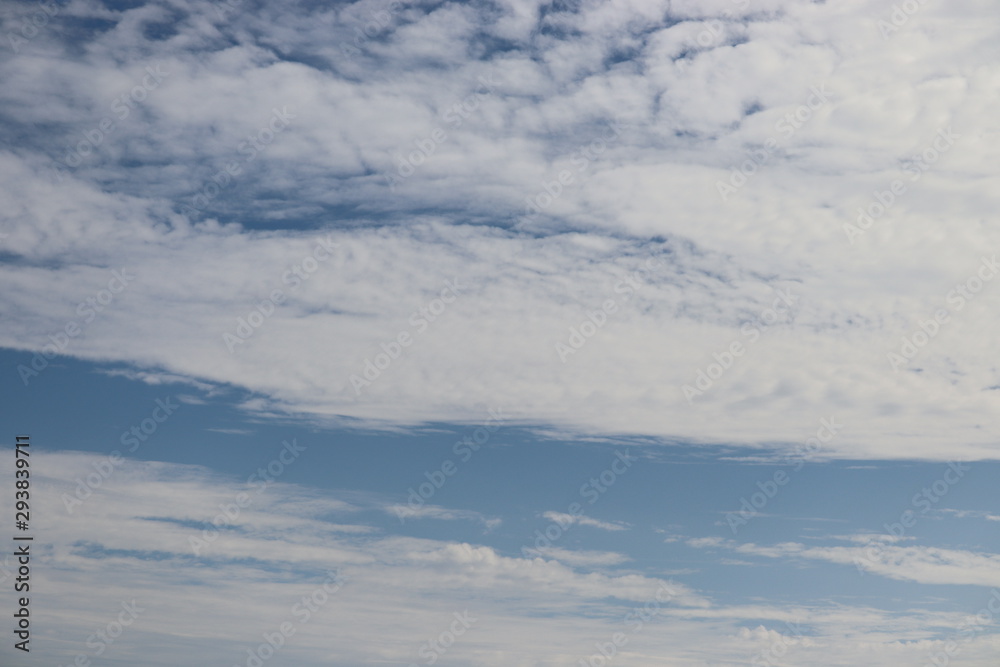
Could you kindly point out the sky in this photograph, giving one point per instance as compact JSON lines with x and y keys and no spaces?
{"x":522,"y":332}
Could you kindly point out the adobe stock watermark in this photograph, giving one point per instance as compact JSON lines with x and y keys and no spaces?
{"x":5,"y":571}
{"x":596,"y":319}
{"x":929,"y":496}
{"x":711,"y":34}
{"x":302,"y":612}
{"x":31,"y":25}
{"x":591,"y":490}
{"x":928,"y":329}
{"x":258,"y":482}
{"x":787,"y":126}
{"x":88,"y":309}
{"x":455,"y":116}
{"x":103,"y":638}
{"x":420,"y":320}
{"x":380,"y":20}
{"x":768,"y":489}
{"x":883,"y":200}
{"x":226,"y":7}
{"x":249,"y":150}
{"x":432,"y":650}
{"x":637,"y":618}
{"x":464,"y":449}
{"x":966,"y":632}
{"x":133,"y":439}
{"x":122,"y":107}
{"x":581,"y":158}
{"x":917,"y":165}
{"x":900,"y":16}
{"x":298,"y":274}
{"x":706,"y":378}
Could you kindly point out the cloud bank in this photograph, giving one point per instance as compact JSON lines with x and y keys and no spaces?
{"x":713,"y":221}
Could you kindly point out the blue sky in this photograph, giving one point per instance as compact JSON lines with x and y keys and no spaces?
{"x":456,"y":332}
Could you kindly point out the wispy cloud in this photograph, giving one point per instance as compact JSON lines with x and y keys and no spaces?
{"x":564,"y":519}
{"x":881,"y":555}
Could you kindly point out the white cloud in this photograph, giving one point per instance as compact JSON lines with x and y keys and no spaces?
{"x":130,"y":540}
{"x":566,"y":520}
{"x":978,"y":514}
{"x":705,"y":542}
{"x":648,"y":192}
{"x":406,"y":512}
{"x":580,"y":558}
{"x":690,"y":110}
{"x":881,"y":555}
